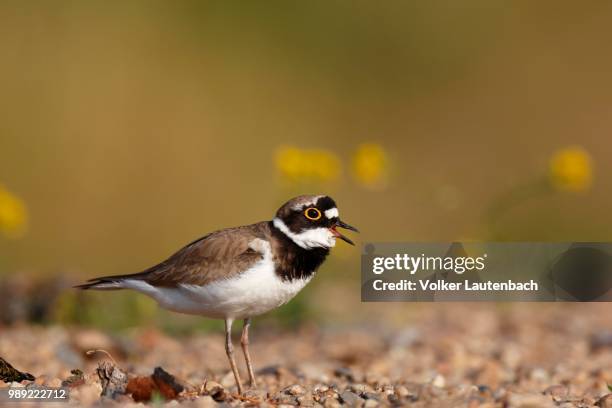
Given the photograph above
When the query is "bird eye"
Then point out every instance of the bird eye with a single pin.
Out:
(312, 213)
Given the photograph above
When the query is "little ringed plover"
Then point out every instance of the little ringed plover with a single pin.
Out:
(241, 272)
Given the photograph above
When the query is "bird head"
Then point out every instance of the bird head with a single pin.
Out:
(311, 221)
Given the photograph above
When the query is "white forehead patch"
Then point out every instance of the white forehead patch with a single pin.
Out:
(308, 239)
(332, 213)
(306, 203)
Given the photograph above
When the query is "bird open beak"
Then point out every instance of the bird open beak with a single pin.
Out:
(339, 235)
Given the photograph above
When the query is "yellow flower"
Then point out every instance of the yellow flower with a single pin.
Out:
(302, 165)
(13, 214)
(571, 169)
(370, 165)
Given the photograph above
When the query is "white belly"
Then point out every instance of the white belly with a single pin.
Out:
(254, 292)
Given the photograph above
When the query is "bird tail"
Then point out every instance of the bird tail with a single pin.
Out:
(115, 282)
(100, 285)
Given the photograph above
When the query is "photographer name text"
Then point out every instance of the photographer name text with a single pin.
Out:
(442, 285)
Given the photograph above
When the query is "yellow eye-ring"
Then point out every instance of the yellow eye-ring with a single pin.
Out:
(312, 213)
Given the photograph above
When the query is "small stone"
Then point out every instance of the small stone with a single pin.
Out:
(344, 372)
(305, 400)
(558, 392)
(371, 403)
(76, 379)
(601, 340)
(529, 401)
(501, 394)
(331, 403)
(205, 401)
(370, 396)
(402, 391)
(87, 394)
(358, 388)
(41, 380)
(228, 381)
(295, 389)
(431, 391)
(313, 371)
(255, 394)
(388, 389)
(85, 340)
(113, 379)
(352, 399)
(215, 390)
(588, 400)
(438, 381)
(539, 374)
(285, 399)
(320, 388)
(605, 401)
(372, 378)
(54, 383)
(393, 399)
(484, 391)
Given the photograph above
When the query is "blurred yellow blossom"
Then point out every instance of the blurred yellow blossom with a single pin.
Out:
(13, 214)
(370, 165)
(571, 169)
(307, 165)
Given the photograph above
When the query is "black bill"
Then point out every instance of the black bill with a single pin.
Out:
(344, 225)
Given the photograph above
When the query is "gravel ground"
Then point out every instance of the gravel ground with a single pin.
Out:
(451, 355)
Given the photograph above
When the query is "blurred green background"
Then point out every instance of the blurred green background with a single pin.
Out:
(129, 129)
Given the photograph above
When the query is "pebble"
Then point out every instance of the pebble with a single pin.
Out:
(320, 388)
(282, 398)
(373, 378)
(601, 340)
(331, 403)
(402, 391)
(605, 401)
(89, 339)
(256, 394)
(371, 403)
(215, 390)
(539, 374)
(438, 381)
(484, 390)
(358, 388)
(295, 389)
(228, 380)
(558, 392)
(388, 389)
(352, 399)
(305, 400)
(529, 401)
(393, 399)
(87, 394)
(370, 396)
(344, 372)
(40, 380)
(205, 401)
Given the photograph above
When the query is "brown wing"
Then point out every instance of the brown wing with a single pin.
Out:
(219, 255)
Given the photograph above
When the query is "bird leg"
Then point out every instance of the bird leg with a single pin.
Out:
(229, 350)
(244, 341)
